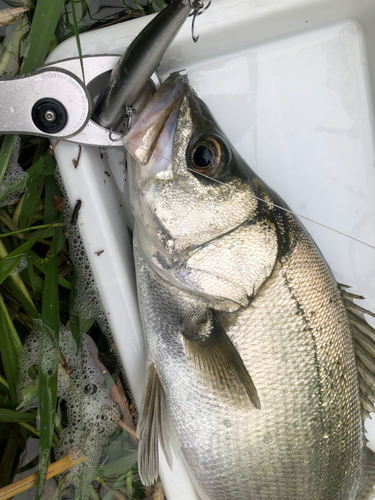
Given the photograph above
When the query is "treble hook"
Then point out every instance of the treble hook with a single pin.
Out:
(199, 8)
(129, 111)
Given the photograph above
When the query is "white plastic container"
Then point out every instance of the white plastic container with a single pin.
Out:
(291, 82)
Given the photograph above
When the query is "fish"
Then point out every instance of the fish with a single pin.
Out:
(260, 368)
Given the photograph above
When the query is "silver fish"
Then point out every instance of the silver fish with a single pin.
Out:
(252, 369)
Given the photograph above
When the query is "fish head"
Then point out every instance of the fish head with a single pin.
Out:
(187, 183)
(189, 190)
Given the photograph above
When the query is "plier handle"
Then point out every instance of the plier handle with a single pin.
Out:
(54, 101)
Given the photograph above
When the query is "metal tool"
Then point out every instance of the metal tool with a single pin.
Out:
(56, 101)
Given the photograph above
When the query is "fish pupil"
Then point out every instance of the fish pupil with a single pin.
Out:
(203, 156)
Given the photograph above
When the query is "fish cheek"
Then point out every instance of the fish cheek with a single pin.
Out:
(232, 269)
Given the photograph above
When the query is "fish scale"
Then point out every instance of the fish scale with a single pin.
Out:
(248, 337)
(288, 376)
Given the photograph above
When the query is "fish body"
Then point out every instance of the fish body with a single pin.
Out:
(250, 347)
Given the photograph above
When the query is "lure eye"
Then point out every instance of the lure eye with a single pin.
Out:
(208, 156)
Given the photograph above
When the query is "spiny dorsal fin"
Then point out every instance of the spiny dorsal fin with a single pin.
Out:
(364, 343)
(216, 361)
(367, 490)
(153, 428)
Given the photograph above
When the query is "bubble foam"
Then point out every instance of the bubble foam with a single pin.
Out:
(91, 412)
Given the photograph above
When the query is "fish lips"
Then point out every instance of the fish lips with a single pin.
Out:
(150, 138)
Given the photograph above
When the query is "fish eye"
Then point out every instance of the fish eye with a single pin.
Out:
(208, 155)
(203, 156)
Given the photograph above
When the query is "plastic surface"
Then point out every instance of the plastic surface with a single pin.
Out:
(291, 83)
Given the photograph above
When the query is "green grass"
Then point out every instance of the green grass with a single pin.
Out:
(41, 295)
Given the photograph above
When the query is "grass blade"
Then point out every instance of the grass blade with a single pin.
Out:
(31, 311)
(7, 460)
(15, 416)
(44, 165)
(47, 411)
(32, 228)
(8, 263)
(10, 327)
(115, 485)
(50, 303)
(7, 220)
(17, 280)
(32, 196)
(6, 153)
(156, 5)
(78, 41)
(46, 17)
(10, 347)
(17, 186)
(85, 324)
(120, 466)
(38, 172)
(48, 367)
(4, 386)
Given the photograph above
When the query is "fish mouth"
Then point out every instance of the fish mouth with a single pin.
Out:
(150, 138)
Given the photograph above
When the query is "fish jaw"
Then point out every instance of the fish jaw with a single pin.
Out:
(150, 150)
(150, 138)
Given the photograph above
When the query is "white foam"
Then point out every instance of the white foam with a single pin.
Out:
(91, 412)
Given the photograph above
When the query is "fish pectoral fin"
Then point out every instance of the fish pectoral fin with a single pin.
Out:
(367, 488)
(220, 368)
(364, 342)
(153, 428)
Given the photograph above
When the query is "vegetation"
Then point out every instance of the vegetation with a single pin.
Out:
(37, 284)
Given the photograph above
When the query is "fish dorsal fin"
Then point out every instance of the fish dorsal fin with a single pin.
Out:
(364, 342)
(217, 362)
(153, 428)
(367, 489)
